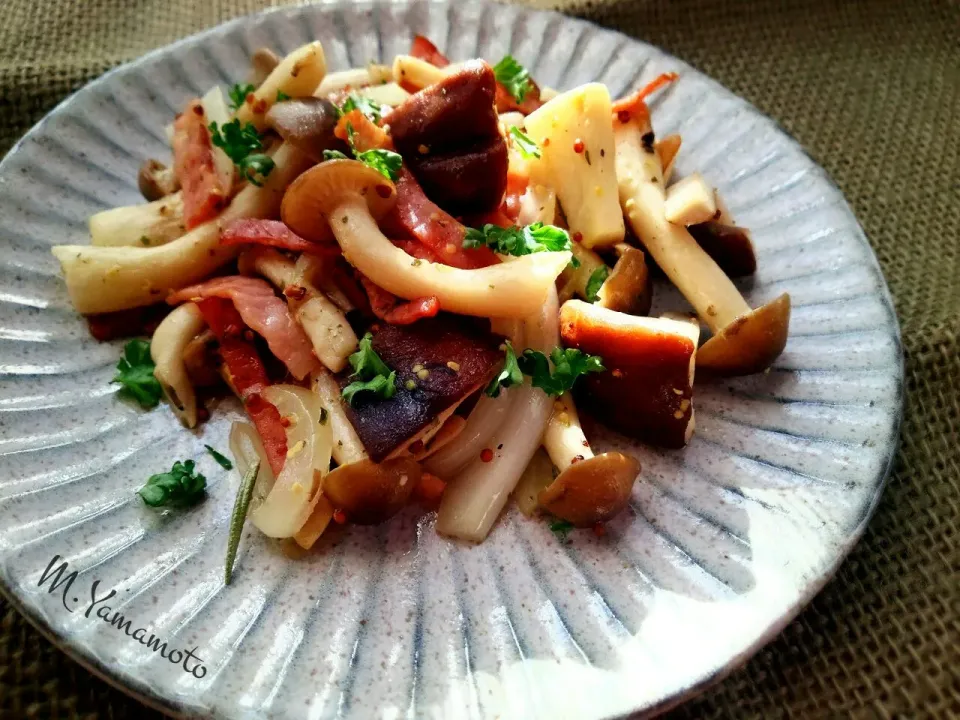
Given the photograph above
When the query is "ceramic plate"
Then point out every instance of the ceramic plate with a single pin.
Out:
(723, 542)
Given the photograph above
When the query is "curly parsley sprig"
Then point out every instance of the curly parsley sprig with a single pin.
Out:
(242, 144)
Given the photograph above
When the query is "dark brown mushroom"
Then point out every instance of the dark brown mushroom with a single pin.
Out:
(369, 492)
(307, 124)
(592, 490)
(628, 288)
(156, 180)
(730, 247)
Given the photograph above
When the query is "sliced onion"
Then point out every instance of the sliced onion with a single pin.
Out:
(215, 111)
(297, 489)
(347, 447)
(487, 415)
(475, 498)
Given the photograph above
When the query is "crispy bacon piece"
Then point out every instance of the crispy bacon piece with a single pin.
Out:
(389, 308)
(436, 229)
(248, 376)
(425, 50)
(366, 135)
(203, 195)
(249, 231)
(263, 312)
(507, 103)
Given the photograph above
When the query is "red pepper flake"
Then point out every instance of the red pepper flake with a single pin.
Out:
(576, 459)
(295, 292)
(586, 443)
(486, 455)
(578, 237)
(546, 142)
(248, 335)
(578, 146)
(285, 421)
(202, 414)
(616, 373)
(599, 529)
(260, 107)
(339, 517)
(623, 116)
(198, 109)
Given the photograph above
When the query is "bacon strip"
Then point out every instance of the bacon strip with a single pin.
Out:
(248, 377)
(387, 306)
(263, 312)
(436, 229)
(425, 50)
(249, 231)
(203, 195)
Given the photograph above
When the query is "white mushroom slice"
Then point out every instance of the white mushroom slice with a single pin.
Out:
(417, 73)
(373, 74)
(689, 201)
(744, 341)
(575, 135)
(347, 447)
(389, 94)
(169, 341)
(155, 223)
(105, 279)
(563, 439)
(297, 75)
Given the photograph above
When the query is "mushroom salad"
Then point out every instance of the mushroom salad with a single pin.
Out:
(412, 276)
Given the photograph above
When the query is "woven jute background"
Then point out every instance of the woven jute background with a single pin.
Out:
(872, 90)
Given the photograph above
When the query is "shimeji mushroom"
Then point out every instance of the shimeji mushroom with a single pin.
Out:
(744, 340)
(150, 225)
(690, 201)
(327, 327)
(575, 135)
(297, 75)
(167, 347)
(647, 389)
(346, 198)
(628, 288)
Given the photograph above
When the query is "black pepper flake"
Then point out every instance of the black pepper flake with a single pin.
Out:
(647, 140)
(603, 153)
(344, 219)
(586, 155)
(500, 446)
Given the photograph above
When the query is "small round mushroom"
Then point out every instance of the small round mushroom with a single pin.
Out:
(262, 63)
(702, 282)
(307, 124)
(729, 246)
(343, 199)
(370, 493)
(628, 288)
(592, 490)
(156, 180)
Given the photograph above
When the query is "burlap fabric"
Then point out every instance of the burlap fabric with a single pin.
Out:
(872, 89)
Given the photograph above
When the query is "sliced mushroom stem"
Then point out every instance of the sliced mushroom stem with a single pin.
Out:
(702, 282)
(169, 341)
(563, 439)
(297, 75)
(347, 447)
(592, 491)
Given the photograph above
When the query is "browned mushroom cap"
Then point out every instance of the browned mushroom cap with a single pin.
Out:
(314, 198)
(729, 246)
(628, 289)
(370, 493)
(750, 343)
(156, 180)
(593, 490)
(307, 124)
(262, 64)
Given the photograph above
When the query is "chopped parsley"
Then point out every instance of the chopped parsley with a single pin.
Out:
(135, 374)
(281, 96)
(238, 95)
(373, 374)
(385, 162)
(527, 147)
(568, 365)
(242, 144)
(181, 487)
(596, 280)
(365, 105)
(518, 241)
(509, 376)
(514, 77)
(222, 460)
(561, 528)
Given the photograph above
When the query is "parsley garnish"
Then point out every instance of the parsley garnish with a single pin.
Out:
(242, 144)
(561, 528)
(514, 77)
(385, 162)
(180, 487)
(365, 105)
(528, 148)
(518, 241)
(568, 365)
(281, 96)
(374, 375)
(509, 376)
(238, 95)
(135, 374)
(222, 460)
(596, 280)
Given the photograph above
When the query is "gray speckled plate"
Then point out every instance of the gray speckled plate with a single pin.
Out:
(723, 544)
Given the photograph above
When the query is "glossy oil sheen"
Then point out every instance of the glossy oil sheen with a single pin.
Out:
(721, 546)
